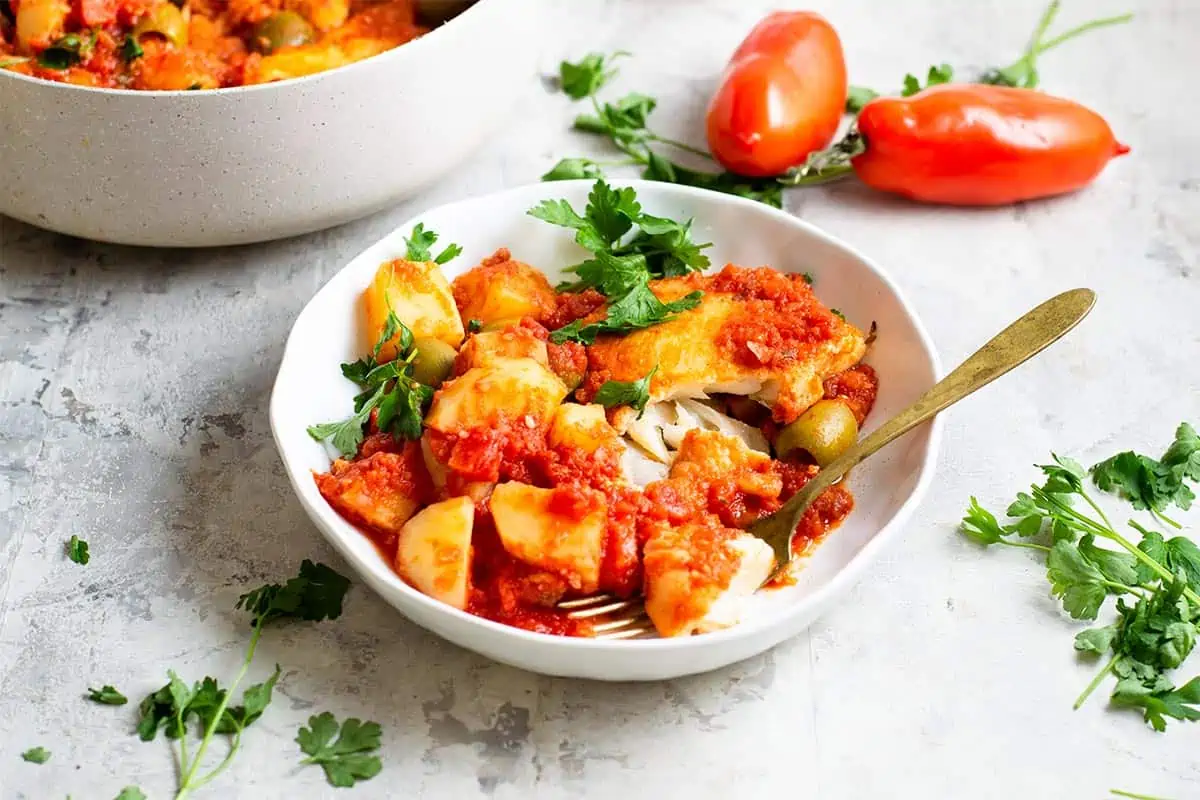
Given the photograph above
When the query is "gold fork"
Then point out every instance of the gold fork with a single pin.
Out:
(1031, 334)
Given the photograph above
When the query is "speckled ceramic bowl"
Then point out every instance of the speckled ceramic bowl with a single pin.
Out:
(255, 163)
(309, 388)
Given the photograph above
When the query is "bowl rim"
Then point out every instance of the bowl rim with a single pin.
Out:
(228, 91)
(326, 518)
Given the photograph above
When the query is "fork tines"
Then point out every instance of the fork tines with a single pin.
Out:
(623, 619)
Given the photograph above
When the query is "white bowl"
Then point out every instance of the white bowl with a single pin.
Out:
(309, 389)
(249, 164)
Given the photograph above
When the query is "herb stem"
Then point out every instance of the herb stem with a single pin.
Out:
(1141, 555)
(233, 748)
(1091, 687)
(1029, 545)
(186, 784)
(1043, 26)
(1161, 517)
(654, 137)
(1120, 793)
(826, 175)
(1079, 30)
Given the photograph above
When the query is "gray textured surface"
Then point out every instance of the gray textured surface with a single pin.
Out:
(133, 390)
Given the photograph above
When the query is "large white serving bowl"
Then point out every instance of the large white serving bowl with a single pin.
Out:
(249, 164)
(887, 488)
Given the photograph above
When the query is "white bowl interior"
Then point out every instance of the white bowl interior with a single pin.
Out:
(309, 389)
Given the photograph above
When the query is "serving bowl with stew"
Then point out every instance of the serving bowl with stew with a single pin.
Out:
(886, 489)
(342, 122)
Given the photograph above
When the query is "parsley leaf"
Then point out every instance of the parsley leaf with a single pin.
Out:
(568, 169)
(77, 550)
(346, 759)
(638, 308)
(626, 393)
(857, 97)
(1075, 580)
(36, 755)
(1154, 484)
(131, 50)
(980, 525)
(107, 695)
(474, 325)
(1182, 703)
(937, 74)
(315, 594)
(67, 51)
(347, 435)
(585, 77)
(420, 243)
(130, 793)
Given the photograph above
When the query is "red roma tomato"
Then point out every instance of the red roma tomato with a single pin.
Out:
(781, 97)
(973, 145)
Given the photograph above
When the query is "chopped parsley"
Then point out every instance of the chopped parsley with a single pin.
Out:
(107, 695)
(36, 755)
(77, 550)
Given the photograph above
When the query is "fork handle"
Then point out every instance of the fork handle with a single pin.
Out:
(1013, 346)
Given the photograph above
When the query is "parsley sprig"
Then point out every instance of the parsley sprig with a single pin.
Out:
(420, 246)
(314, 594)
(388, 387)
(625, 123)
(1156, 581)
(346, 754)
(629, 247)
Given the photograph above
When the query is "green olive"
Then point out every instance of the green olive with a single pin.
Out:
(164, 20)
(433, 361)
(500, 324)
(282, 29)
(826, 430)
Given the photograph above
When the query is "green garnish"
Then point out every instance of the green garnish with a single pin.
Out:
(131, 50)
(36, 755)
(1156, 581)
(67, 51)
(346, 755)
(315, 594)
(77, 550)
(585, 78)
(625, 123)
(107, 695)
(420, 243)
(130, 793)
(388, 387)
(474, 325)
(626, 393)
(624, 260)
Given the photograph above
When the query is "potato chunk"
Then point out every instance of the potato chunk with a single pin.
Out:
(434, 551)
(559, 530)
(698, 576)
(581, 427)
(516, 389)
(381, 491)
(502, 288)
(419, 295)
(485, 349)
